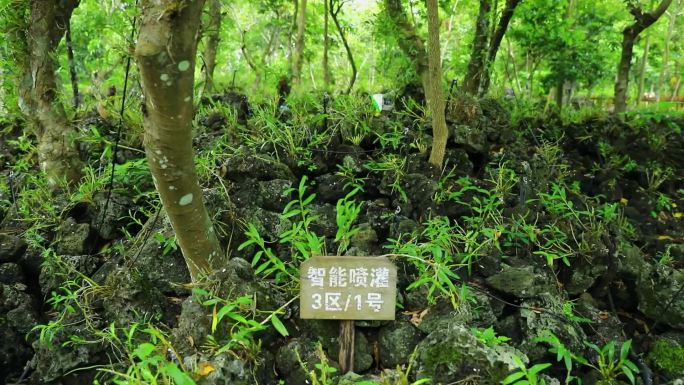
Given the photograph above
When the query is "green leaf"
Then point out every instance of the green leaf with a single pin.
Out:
(278, 325)
(143, 350)
(178, 376)
(624, 350)
(538, 368)
(513, 377)
(628, 373)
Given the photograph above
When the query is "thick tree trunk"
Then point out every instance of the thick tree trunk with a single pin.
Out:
(642, 21)
(213, 29)
(165, 53)
(298, 56)
(478, 55)
(495, 43)
(326, 47)
(642, 71)
(350, 57)
(57, 151)
(436, 92)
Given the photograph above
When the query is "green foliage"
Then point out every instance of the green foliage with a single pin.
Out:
(347, 212)
(609, 366)
(149, 356)
(668, 355)
(488, 336)
(525, 375)
(323, 373)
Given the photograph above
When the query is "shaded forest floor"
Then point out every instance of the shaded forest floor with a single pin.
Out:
(540, 237)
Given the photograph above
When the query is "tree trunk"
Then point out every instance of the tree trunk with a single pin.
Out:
(642, 21)
(436, 92)
(72, 64)
(299, 44)
(326, 47)
(642, 70)
(213, 29)
(165, 52)
(350, 57)
(495, 43)
(666, 54)
(478, 55)
(409, 41)
(57, 151)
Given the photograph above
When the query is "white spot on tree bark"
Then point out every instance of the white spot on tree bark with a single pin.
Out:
(164, 77)
(184, 65)
(185, 200)
(187, 98)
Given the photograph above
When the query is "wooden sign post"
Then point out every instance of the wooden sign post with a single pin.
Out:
(347, 289)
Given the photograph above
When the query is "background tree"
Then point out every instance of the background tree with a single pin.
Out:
(486, 43)
(335, 6)
(641, 22)
(165, 52)
(211, 30)
(298, 54)
(35, 41)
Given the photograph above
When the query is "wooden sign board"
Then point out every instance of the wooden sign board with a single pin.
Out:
(348, 288)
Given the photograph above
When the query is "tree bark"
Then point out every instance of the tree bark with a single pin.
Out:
(350, 57)
(72, 64)
(409, 41)
(57, 151)
(436, 92)
(299, 44)
(213, 29)
(495, 43)
(666, 53)
(326, 47)
(478, 54)
(642, 70)
(629, 35)
(165, 52)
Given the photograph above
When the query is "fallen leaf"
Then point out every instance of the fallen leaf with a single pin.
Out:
(205, 368)
(624, 201)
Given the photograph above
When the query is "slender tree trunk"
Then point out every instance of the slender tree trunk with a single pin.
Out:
(629, 35)
(436, 92)
(666, 54)
(495, 43)
(675, 89)
(213, 29)
(478, 55)
(299, 44)
(514, 65)
(450, 28)
(72, 64)
(57, 151)
(642, 70)
(326, 47)
(165, 52)
(350, 57)
(293, 32)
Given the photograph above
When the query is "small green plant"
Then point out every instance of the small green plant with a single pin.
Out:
(169, 243)
(150, 361)
(611, 367)
(562, 354)
(488, 336)
(323, 372)
(525, 375)
(347, 212)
